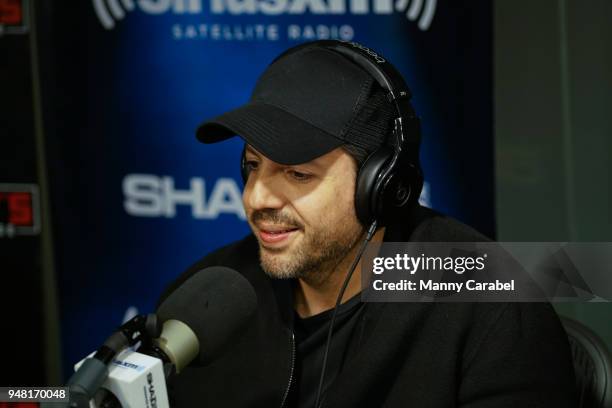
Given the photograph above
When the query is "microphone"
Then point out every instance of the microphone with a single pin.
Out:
(198, 320)
(205, 312)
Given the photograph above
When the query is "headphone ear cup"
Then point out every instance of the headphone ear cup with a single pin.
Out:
(367, 195)
(395, 195)
(400, 190)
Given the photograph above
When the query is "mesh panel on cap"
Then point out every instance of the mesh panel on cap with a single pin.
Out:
(372, 121)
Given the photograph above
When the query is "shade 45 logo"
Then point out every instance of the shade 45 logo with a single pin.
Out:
(420, 11)
(149, 195)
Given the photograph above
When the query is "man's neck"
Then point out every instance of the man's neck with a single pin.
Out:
(312, 298)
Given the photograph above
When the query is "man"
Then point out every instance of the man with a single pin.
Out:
(314, 118)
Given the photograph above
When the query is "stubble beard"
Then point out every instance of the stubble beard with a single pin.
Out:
(316, 257)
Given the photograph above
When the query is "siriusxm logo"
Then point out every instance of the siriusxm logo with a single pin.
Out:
(127, 364)
(421, 11)
(148, 195)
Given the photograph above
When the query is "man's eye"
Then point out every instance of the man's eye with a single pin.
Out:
(251, 165)
(299, 176)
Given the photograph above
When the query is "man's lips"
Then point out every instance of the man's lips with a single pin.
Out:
(275, 234)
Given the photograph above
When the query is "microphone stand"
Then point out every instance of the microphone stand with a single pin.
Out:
(89, 377)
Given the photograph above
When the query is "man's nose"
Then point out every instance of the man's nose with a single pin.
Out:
(263, 191)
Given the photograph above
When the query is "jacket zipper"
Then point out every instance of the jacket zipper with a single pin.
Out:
(286, 395)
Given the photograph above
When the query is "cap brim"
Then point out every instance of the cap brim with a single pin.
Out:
(277, 134)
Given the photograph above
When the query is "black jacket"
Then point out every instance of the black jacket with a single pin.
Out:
(402, 354)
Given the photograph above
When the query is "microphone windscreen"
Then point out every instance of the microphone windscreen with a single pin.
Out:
(216, 303)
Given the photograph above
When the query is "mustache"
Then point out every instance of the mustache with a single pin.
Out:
(275, 217)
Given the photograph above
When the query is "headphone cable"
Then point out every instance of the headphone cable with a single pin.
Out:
(370, 234)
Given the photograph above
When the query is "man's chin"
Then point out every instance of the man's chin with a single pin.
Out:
(277, 268)
(279, 262)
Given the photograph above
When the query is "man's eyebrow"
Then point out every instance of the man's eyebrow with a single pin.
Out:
(315, 164)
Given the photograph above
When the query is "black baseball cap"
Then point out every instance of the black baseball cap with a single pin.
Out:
(304, 105)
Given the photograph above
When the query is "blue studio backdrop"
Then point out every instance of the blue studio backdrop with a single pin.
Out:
(136, 199)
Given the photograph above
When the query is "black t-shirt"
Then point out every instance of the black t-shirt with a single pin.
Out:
(310, 337)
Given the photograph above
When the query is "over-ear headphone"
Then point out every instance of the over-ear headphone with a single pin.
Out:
(390, 180)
